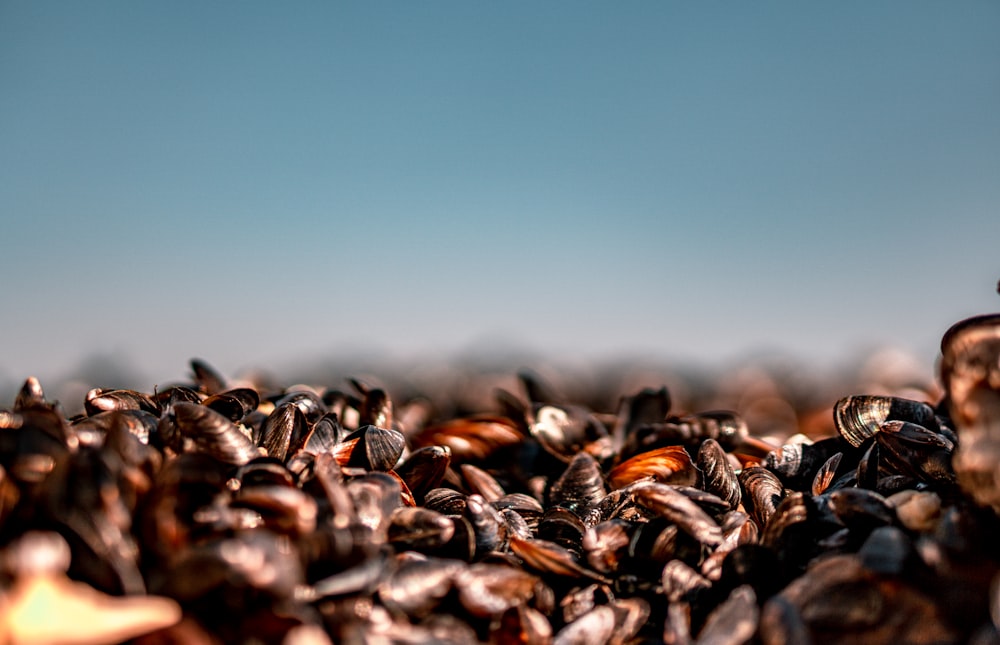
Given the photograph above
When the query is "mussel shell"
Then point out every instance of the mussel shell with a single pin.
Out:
(167, 397)
(796, 464)
(824, 476)
(656, 542)
(725, 426)
(717, 474)
(471, 439)
(529, 508)
(563, 527)
(376, 406)
(606, 544)
(679, 580)
(645, 407)
(762, 492)
(579, 600)
(207, 377)
(489, 527)
(549, 558)
(916, 510)
(733, 621)
(234, 404)
(860, 509)
(92, 430)
(264, 471)
(580, 486)
(419, 529)
(307, 401)
(889, 551)
(564, 431)
(516, 524)
(596, 626)
(417, 586)
(324, 435)
(523, 624)
(488, 590)
(789, 531)
(98, 400)
(631, 616)
(780, 622)
(371, 448)
(670, 464)
(859, 417)
(30, 395)
(970, 371)
(424, 469)
(276, 431)
(910, 449)
(285, 510)
(213, 434)
(329, 549)
(676, 507)
(83, 500)
(481, 483)
(376, 496)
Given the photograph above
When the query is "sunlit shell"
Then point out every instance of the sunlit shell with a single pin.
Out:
(670, 464)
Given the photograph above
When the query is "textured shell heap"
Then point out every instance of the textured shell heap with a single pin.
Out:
(317, 515)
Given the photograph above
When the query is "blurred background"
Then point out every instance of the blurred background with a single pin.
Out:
(308, 190)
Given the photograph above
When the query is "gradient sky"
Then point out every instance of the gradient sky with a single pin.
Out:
(261, 183)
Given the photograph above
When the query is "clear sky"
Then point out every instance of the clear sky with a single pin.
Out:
(260, 183)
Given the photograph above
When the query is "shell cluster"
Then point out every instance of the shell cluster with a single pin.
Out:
(215, 512)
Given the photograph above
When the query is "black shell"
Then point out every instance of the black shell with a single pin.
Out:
(213, 434)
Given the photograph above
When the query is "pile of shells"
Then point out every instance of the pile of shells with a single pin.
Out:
(214, 512)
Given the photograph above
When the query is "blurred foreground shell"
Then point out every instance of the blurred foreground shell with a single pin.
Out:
(970, 372)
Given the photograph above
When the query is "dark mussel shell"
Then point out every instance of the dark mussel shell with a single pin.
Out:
(306, 400)
(213, 434)
(666, 502)
(276, 433)
(424, 469)
(564, 431)
(324, 435)
(419, 529)
(371, 448)
(646, 407)
(488, 590)
(796, 464)
(606, 545)
(733, 621)
(581, 485)
(762, 492)
(482, 483)
(99, 400)
(234, 404)
(550, 558)
(717, 473)
(725, 426)
(376, 406)
(488, 525)
(912, 450)
(417, 586)
(209, 380)
(30, 395)
(858, 418)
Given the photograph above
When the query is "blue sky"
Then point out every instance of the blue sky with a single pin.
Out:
(260, 184)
